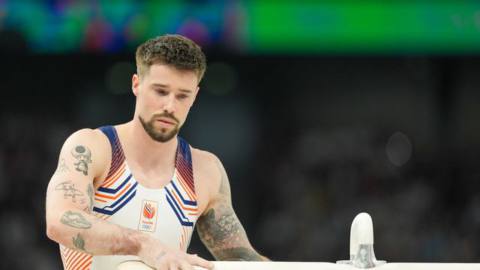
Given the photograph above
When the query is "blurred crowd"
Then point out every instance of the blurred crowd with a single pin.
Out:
(307, 143)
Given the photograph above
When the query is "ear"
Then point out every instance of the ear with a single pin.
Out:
(135, 84)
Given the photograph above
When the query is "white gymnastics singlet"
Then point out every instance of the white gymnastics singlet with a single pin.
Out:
(168, 213)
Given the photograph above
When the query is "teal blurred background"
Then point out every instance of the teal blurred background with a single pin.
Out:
(250, 27)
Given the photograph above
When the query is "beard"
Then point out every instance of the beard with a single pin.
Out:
(160, 134)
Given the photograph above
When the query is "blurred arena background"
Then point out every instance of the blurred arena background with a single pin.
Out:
(318, 109)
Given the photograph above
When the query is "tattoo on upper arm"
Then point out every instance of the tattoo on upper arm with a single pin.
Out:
(83, 155)
(79, 242)
(76, 220)
(69, 191)
(62, 167)
(90, 196)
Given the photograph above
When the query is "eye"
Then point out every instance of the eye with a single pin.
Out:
(161, 92)
(182, 96)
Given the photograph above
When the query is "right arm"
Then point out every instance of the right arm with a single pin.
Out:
(70, 197)
(85, 156)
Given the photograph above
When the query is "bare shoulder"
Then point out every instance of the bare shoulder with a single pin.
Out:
(205, 161)
(92, 135)
(90, 145)
(92, 138)
(208, 171)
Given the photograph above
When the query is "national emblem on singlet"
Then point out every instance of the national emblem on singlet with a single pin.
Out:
(168, 213)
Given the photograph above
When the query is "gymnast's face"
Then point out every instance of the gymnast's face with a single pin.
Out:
(164, 98)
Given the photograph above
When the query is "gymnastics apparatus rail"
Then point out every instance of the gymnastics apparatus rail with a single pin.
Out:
(362, 256)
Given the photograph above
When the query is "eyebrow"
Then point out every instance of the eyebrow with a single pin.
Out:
(167, 86)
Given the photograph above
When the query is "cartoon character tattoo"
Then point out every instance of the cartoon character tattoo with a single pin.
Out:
(83, 155)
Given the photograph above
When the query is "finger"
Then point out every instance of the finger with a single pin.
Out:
(184, 265)
(173, 266)
(197, 261)
(161, 266)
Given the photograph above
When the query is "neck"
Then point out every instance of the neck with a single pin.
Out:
(144, 150)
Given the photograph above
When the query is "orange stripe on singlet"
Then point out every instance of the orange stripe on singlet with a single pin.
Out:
(115, 176)
(101, 216)
(75, 260)
(80, 258)
(99, 200)
(115, 173)
(190, 193)
(191, 196)
(85, 262)
(64, 256)
(184, 207)
(87, 266)
(74, 257)
(184, 171)
(116, 196)
(71, 257)
(79, 261)
(71, 254)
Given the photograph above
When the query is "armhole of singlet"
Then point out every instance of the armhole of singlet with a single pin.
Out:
(117, 152)
(184, 159)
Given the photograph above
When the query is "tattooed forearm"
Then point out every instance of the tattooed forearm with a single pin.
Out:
(220, 227)
(69, 191)
(218, 232)
(83, 155)
(79, 242)
(221, 231)
(62, 167)
(76, 220)
(225, 237)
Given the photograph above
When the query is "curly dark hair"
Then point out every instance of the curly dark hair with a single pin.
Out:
(175, 50)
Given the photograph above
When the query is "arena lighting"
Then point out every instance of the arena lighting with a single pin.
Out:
(362, 256)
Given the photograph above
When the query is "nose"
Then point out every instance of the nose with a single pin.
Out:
(169, 105)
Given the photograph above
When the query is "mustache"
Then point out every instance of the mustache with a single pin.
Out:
(166, 115)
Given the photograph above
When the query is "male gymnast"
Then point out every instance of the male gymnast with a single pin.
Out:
(135, 191)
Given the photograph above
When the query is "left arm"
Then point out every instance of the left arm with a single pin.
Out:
(221, 231)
